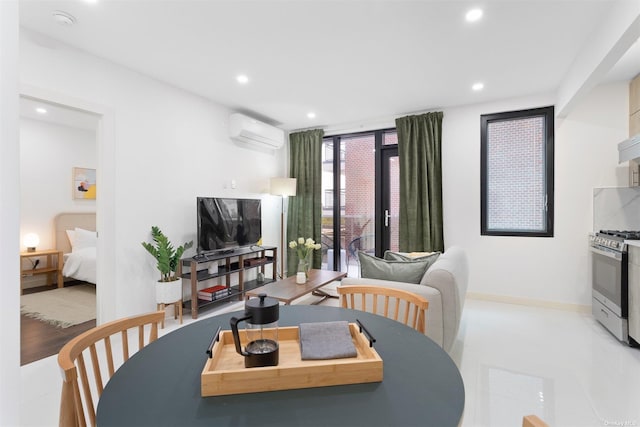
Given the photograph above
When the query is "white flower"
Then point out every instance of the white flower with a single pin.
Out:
(304, 247)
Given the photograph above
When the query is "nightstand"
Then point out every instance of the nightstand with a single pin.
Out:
(50, 268)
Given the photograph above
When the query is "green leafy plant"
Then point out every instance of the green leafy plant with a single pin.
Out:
(164, 253)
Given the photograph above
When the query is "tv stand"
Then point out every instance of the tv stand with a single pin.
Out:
(224, 251)
(236, 261)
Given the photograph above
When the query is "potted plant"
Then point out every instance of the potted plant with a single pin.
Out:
(169, 287)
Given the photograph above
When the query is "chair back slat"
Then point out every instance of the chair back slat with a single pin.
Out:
(109, 354)
(86, 387)
(140, 336)
(77, 407)
(95, 363)
(406, 307)
(76, 396)
(125, 345)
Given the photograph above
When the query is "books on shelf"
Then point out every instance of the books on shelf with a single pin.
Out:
(254, 261)
(213, 293)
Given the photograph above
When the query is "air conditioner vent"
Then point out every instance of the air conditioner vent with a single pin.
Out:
(251, 131)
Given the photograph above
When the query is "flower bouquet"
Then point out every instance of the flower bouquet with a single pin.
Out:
(304, 248)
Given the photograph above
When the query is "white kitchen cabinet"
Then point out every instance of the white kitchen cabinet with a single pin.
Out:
(634, 292)
(630, 149)
(634, 95)
(634, 124)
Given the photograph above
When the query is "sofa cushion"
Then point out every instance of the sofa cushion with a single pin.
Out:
(435, 326)
(413, 256)
(372, 267)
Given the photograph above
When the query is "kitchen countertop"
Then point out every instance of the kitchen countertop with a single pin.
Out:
(635, 243)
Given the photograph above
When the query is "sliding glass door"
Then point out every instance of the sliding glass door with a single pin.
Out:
(390, 200)
(358, 189)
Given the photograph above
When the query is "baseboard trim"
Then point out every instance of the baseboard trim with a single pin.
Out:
(577, 308)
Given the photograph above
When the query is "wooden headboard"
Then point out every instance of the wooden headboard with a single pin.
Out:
(69, 221)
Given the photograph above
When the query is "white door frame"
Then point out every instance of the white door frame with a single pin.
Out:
(105, 202)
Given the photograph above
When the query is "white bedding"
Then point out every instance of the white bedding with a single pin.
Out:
(81, 264)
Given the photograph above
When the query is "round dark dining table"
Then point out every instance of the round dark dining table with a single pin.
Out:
(160, 385)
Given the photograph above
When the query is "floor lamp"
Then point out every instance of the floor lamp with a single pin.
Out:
(282, 187)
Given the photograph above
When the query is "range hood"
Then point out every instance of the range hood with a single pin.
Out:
(629, 149)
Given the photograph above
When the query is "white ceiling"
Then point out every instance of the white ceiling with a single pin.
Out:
(347, 61)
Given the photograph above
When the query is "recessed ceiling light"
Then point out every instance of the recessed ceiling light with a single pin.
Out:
(473, 15)
(477, 86)
(63, 18)
(311, 115)
(41, 110)
(242, 79)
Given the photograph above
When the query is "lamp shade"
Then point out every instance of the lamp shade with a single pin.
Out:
(283, 186)
(31, 240)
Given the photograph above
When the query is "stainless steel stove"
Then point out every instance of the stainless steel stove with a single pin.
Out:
(610, 299)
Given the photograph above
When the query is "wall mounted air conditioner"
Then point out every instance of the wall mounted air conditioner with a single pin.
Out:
(251, 131)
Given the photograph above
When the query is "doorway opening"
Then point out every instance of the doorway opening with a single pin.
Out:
(360, 197)
(55, 141)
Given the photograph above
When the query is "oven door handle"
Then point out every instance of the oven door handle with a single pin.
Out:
(612, 255)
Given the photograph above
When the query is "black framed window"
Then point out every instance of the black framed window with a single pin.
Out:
(516, 181)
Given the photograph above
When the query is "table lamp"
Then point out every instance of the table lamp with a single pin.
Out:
(282, 187)
(31, 240)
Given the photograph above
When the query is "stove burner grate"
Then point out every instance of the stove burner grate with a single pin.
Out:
(625, 234)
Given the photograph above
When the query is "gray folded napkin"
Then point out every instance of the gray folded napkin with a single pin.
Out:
(326, 340)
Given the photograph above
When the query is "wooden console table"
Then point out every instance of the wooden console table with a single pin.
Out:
(49, 269)
(234, 261)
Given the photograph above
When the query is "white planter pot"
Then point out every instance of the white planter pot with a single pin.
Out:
(168, 292)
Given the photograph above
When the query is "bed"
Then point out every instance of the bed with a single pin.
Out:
(75, 236)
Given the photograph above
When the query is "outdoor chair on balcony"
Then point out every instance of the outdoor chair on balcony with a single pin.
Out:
(363, 243)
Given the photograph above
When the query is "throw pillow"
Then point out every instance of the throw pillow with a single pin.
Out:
(372, 267)
(397, 256)
(84, 239)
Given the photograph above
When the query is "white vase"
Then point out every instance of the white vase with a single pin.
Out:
(168, 292)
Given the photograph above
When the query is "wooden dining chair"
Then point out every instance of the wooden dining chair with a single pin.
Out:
(397, 304)
(533, 421)
(98, 344)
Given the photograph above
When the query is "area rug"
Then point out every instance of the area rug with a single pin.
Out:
(62, 307)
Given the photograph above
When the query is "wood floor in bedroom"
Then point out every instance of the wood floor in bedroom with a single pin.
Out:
(39, 339)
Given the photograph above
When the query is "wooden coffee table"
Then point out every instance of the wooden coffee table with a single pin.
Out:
(286, 290)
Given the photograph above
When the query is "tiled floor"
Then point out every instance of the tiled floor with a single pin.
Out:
(514, 360)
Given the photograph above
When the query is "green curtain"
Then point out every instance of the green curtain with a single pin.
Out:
(305, 208)
(419, 149)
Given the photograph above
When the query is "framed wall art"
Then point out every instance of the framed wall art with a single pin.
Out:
(84, 183)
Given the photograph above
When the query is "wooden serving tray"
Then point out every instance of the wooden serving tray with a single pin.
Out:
(224, 373)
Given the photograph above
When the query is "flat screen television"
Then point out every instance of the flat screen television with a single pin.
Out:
(225, 223)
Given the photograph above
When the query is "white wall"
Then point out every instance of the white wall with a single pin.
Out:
(48, 152)
(169, 147)
(550, 269)
(10, 387)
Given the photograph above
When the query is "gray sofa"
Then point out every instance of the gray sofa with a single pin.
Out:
(444, 284)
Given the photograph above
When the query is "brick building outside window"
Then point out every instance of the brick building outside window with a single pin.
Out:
(517, 173)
